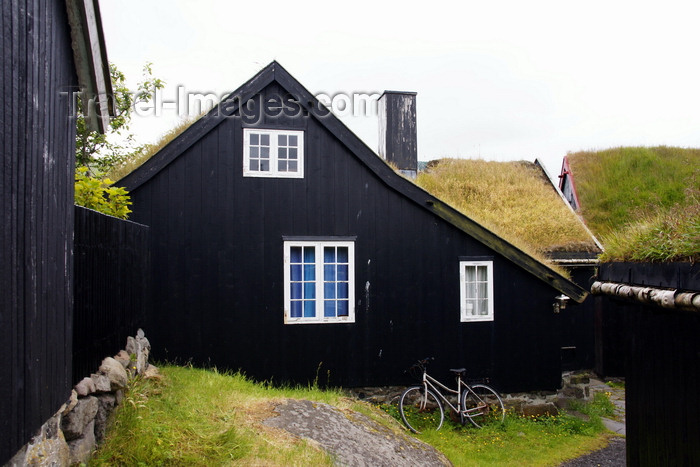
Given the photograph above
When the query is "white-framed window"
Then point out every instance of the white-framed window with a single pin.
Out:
(476, 290)
(273, 153)
(319, 282)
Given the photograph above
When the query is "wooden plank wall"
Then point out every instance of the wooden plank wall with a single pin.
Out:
(661, 354)
(111, 293)
(36, 196)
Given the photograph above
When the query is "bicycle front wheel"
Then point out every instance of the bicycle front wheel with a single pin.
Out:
(421, 409)
(482, 405)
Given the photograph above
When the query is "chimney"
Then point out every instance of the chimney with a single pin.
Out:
(397, 131)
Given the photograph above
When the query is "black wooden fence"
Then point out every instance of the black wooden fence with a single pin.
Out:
(662, 367)
(112, 278)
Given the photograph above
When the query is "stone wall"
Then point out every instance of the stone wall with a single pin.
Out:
(575, 385)
(73, 433)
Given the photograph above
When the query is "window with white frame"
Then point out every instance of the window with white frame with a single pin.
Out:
(319, 282)
(476, 290)
(273, 153)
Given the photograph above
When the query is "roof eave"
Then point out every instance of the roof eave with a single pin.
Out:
(91, 64)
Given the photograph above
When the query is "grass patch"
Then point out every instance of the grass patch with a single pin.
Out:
(513, 199)
(534, 441)
(668, 235)
(202, 418)
(205, 417)
(642, 202)
(149, 150)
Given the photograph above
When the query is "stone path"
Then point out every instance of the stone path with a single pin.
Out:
(352, 438)
(615, 454)
(617, 396)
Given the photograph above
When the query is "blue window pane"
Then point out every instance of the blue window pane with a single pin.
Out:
(292, 140)
(295, 253)
(293, 153)
(282, 140)
(282, 153)
(265, 153)
(309, 256)
(329, 254)
(293, 166)
(342, 272)
(329, 308)
(264, 166)
(309, 290)
(254, 165)
(342, 254)
(342, 308)
(342, 290)
(296, 272)
(265, 139)
(309, 272)
(329, 290)
(296, 310)
(254, 139)
(254, 152)
(309, 309)
(282, 166)
(329, 273)
(295, 290)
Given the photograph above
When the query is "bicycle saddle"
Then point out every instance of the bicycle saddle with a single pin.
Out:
(458, 371)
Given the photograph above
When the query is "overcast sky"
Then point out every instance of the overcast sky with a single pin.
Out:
(500, 80)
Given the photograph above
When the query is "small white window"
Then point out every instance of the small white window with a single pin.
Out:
(319, 282)
(476, 290)
(273, 153)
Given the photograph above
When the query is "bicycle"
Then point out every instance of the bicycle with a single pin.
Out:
(421, 407)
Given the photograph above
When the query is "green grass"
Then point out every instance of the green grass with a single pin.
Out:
(643, 203)
(523, 441)
(204, 417)
(513, 199)
(149, 150)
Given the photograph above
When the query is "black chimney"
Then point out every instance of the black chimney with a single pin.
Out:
(397, 131)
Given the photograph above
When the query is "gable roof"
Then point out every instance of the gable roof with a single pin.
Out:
(275, 73)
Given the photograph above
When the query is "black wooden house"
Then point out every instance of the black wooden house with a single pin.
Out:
(50, 49)
(285, 247)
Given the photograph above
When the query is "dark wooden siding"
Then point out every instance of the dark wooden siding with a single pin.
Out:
(218, 273)
(112, 278)
(662, 359)
(660, 351)
(36, 194)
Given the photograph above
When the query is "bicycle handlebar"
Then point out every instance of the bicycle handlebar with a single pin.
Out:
(420, 364)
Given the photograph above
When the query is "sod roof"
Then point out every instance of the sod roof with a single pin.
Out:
(514, 199)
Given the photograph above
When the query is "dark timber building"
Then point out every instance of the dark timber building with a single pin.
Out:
(282, 245)
(49, 48)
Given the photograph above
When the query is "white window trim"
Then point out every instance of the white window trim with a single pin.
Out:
(273, 172)
(319, 318)
(464, 316)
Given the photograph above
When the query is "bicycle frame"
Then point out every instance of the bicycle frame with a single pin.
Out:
(430, 383)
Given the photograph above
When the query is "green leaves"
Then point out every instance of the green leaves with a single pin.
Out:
(100, 195)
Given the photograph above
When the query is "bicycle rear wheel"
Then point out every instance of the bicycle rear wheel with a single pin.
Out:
(482, 405)
(421, 409)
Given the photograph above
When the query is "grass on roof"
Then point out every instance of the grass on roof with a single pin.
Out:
(513, 199)
(149, 150)
(643, 203)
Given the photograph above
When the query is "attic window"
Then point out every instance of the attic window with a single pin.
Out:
(476, 290)
(273, 153)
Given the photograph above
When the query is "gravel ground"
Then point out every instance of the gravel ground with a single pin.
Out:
(613, 455)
